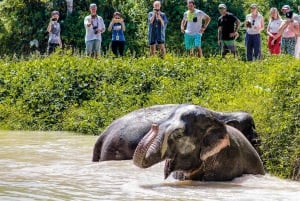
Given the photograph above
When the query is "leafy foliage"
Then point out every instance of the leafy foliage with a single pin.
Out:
(79, 94)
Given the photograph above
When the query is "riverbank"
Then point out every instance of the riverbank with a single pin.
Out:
(70, 93)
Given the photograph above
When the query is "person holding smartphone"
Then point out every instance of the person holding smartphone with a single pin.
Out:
(54, 32)
(157, 24)
(117, 27)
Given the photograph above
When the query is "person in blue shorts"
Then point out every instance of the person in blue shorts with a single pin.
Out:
(192, 20)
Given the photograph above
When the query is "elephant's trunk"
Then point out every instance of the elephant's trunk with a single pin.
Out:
(147, 152)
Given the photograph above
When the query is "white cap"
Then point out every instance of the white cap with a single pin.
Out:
(222, 5)
(287, 7)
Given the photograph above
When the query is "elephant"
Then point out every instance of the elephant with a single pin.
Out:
(120, 139)
(198, 146)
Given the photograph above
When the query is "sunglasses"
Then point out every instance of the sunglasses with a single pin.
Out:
(253, 22)
(117, 18)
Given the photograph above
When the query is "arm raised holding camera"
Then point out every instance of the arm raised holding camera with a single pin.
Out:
(156, 14)
(116, 20)
(51, 22)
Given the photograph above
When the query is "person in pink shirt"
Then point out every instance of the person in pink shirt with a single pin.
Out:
(288, 36)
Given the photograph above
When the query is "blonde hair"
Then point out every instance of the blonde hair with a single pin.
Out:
(277, 16)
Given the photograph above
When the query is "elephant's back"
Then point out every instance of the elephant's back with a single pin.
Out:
(133, 126)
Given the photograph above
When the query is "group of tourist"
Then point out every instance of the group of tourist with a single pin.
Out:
(282, 34)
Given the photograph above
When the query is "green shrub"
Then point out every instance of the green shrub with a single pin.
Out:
(84, 95)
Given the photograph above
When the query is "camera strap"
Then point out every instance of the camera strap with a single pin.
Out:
(95, 19)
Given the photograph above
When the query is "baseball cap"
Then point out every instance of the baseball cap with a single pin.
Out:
(92, 5)
(254, 5)
(286, 7)
(55, 12)
(222, 5)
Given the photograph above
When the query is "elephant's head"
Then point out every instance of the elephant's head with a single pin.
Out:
(187, 138)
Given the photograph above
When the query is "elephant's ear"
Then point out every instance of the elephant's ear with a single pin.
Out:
(214, 140)
(234, 123)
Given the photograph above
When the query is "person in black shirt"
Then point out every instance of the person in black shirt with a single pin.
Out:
(228, 27)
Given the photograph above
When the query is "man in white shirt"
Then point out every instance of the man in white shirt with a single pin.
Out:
(192, 19)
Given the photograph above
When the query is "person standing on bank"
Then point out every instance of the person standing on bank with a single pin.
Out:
(192, 19)
(94, 27)
(117, 26)
(255, 24)
(288, 35)
(274, 25)
(157, 24)
(290, 27)
(228, 27)
(54, 32)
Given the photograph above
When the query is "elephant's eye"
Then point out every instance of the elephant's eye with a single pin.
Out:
(178, 134)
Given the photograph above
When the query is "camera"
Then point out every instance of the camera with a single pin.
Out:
(95, 29)
(248, 24)
(54, 19)
(289, 14)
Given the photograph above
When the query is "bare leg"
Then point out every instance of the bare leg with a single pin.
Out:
(191, 52)
(152, 50)
(162, 50)
(199, 49)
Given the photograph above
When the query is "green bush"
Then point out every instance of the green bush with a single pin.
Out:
(84, 95)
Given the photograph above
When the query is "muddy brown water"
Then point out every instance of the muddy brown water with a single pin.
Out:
(57, 166)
